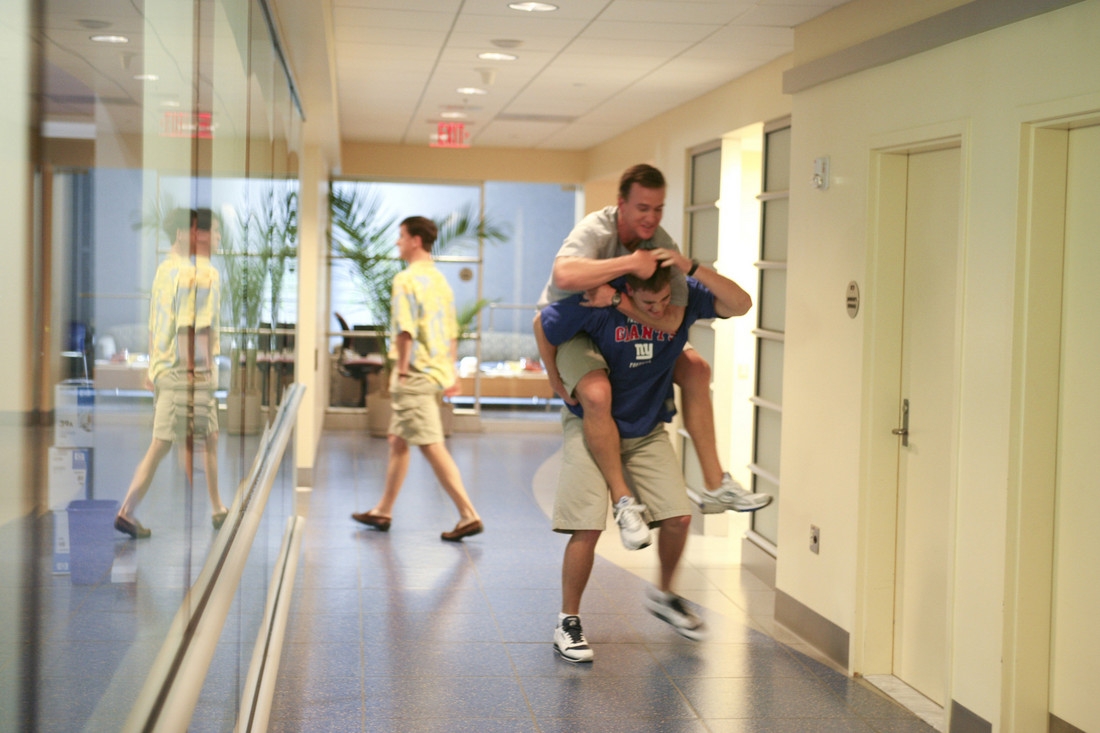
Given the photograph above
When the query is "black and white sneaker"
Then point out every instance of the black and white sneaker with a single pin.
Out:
(675, 611)
(569, 641)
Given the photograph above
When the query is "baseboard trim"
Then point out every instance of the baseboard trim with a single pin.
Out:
(819, 631)
(1057, 725)
(757, 561)
(965, 721)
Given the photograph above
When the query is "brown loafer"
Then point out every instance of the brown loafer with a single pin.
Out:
(131, 527)
(382, 524)
(463, 530)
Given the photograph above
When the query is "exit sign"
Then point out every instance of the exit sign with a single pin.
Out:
(450, 135)
(186, 124)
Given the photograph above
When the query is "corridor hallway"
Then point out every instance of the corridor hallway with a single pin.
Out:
(399, 631)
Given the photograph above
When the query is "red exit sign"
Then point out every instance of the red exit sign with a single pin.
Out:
(186, 124)
(450, 135)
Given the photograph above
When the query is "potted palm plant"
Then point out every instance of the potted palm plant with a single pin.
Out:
(364, 234)
(258, 249)
(246, 270)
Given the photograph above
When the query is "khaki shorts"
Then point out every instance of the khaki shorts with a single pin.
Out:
(579, 356)
(175, 406)
(576, 357)
(415, 402)
(652, 472)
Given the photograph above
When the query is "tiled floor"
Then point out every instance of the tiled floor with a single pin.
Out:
(399, 631)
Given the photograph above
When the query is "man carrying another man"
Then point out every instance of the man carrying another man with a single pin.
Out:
(607, 244)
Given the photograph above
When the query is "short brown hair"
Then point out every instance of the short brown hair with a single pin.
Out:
(644, 175)
(423, 227)
(661, 277)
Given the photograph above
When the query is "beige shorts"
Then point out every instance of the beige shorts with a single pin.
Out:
(415, 402)
(579, 356)
(576, 357)
(652, 472)
(179, 410)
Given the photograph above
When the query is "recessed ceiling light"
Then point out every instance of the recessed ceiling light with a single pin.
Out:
(532, 7)
(470, 90)
(107, 38)
(453, 115)
(146, 77)
(497, 56)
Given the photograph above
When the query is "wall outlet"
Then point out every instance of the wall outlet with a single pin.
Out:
(815, 540)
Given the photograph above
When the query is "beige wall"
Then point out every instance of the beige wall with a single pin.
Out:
(311, 345)
(16, 393)
(980, 90)
(411, 162)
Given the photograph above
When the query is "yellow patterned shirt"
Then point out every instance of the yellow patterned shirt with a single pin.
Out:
(186, 295)
(424, 306)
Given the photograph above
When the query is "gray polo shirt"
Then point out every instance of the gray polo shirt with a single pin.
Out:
(596, 237)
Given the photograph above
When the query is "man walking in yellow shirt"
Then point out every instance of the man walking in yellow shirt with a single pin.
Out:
(423, 352)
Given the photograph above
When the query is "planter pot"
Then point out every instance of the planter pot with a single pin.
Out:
(244, 413)
(379, 411)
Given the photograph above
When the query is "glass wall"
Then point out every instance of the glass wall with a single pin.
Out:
(136, 114)
(499, 277)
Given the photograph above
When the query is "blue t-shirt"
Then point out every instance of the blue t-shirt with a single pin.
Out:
(640, 358)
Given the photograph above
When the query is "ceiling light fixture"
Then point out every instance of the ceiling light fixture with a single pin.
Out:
(453, 115)
(146, 77)
(471, 90)
(497, 56)
(107, 38)
(533, 7)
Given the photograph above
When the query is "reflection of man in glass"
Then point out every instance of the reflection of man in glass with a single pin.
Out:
(184, 328)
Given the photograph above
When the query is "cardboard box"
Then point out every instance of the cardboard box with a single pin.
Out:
(61, 542)
(74, 404)
(70, 469)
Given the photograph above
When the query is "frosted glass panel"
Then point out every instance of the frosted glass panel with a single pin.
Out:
(775, 230)
(704, 235)
(701, 337)
(768, 428)
(706, 177)
(773, 299)
(777, 172)
(769, 373)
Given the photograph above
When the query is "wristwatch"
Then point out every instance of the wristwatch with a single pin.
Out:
(694, 267)
(616, 299)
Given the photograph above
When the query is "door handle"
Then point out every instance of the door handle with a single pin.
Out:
(903, 431)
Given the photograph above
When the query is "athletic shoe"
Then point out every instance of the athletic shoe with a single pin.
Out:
(569, 641)
(730, 495)
(632, 527)
(674, 610)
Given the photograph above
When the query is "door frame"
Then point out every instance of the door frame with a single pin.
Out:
(872, 643)
(1033, 425)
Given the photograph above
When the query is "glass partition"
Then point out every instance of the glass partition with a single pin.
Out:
(499, 279)
(145, 116)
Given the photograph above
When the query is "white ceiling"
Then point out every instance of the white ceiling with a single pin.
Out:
(585, 72)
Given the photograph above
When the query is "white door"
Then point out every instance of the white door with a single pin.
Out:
(928, 388)
(1075, 634)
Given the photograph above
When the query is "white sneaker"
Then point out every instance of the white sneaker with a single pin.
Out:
(569, 641)
(730, 495)
(674, 610)
(633, 529)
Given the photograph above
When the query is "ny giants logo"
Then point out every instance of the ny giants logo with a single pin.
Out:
(644, 336)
